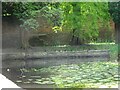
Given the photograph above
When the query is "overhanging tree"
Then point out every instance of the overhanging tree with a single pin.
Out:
(84, 19)
(28, 12)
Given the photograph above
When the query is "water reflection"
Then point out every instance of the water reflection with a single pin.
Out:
(29, 79)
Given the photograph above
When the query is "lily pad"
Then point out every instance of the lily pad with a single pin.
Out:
(37, 82)
(18, 81)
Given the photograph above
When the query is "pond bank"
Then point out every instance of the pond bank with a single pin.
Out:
(33, 58)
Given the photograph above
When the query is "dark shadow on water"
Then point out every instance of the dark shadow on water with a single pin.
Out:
(27, 79)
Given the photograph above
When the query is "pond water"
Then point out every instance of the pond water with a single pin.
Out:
(29, 79)
(89, 74)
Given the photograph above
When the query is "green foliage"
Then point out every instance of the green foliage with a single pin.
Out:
(27, 12)
(24, 11)
(30, 24)
(53, 14)
(20, 9)
(49, 11)
(114, 9)
(85, 17)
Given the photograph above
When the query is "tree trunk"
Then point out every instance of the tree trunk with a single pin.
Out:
(117, 38)
(73, 37)
(117, 33)
(25, 39)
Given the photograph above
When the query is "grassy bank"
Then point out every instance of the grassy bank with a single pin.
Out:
(113, 48)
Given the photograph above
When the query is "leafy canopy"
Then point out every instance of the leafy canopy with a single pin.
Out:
(114, 9)
(27, 12)
(85, 17)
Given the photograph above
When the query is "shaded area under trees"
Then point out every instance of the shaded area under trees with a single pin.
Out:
(114, 9)
(82, 19)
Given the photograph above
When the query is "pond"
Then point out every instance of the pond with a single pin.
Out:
(84, 75)
(27, 78)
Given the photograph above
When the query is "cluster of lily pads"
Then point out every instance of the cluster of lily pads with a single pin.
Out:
(91, 74)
